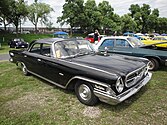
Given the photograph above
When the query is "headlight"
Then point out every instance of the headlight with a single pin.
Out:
(12, 54)
(119, 85)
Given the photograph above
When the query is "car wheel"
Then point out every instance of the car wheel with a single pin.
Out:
(153, 65)
(84, 93)
(24, 69)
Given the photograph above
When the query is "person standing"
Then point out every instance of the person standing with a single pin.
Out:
(96, 36)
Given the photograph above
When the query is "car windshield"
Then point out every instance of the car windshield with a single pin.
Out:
(72, 48)
(135, 42)
(17, 39)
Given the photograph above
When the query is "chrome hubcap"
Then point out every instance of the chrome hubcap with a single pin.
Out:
(151, 65)
(24, 69)
(84, 92)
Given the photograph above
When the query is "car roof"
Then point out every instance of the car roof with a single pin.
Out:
(111, 37)
(116, 37)
(48, 40)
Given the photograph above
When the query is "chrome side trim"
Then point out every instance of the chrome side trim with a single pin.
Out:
(47, 80)
(122, 51)
(76, 77)
(88, 80)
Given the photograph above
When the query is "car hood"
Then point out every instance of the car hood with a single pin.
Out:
(117, 64)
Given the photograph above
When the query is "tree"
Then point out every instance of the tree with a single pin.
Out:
(6, 12)
(134, 8)
(19, 12)
(152, 21)
(162, 25)
(144, 18)
(49, 25)
(145, 12)
(117, 23)
(107, 15)
(93, 16)
(38, 12)
(12, 11)
(73, 14)
(137, 18)
(128, 24)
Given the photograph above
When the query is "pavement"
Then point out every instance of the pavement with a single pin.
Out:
(4, 57)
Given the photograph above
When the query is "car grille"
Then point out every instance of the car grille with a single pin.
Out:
(135, 76)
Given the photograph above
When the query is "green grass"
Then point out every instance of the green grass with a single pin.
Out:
(28, 100)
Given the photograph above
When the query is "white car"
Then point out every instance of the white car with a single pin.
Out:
(25, 32)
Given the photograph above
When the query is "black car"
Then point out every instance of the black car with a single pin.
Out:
(73, 64)
(17, 43)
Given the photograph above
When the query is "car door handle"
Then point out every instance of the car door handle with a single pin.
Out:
(39, 60)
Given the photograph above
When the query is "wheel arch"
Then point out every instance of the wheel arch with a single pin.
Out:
(154, 57)
(71, 83)
(18, 63)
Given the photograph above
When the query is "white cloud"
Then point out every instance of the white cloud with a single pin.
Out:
(120, 7)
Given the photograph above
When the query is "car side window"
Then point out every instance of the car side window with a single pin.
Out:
(43, 49)
(46, 50)
(108, 43)
(122, 43)
(36, 48)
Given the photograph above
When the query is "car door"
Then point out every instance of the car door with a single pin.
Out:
(51, 68)
(122, 46)
(49, 65)
(33, 59)
(109, 43)
(39, 61)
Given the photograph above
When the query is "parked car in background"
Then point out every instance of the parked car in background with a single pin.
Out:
(128, 34)
(73, 64)
(160, 38)
(131, 46)
(14, 32)
(61, 34)
(156, 39)
(18, 43)
(25, 32)
(90, 37)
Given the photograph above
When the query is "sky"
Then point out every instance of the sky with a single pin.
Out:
(120, 7)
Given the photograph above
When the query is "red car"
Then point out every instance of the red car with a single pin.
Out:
(90, 37)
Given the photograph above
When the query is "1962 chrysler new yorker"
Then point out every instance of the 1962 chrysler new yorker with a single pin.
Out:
(73, 64)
